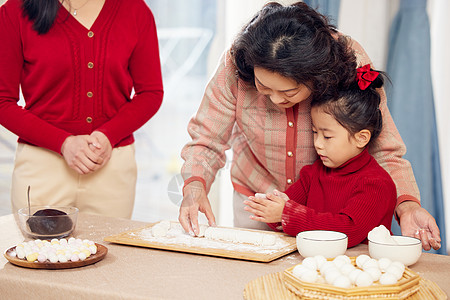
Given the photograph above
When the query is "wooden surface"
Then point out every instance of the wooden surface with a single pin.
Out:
(256, 253)
(141, 273)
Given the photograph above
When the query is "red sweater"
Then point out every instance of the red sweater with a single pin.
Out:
(352, 199)
(76, 80)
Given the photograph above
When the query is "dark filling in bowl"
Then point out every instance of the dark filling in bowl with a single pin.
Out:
(49, 222)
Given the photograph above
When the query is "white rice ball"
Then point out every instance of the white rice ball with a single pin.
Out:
(364, 279)
(326, 265)
(342, 282)
(347, 268)
(320, 260)
(394, 270)
(361, 259)
(298, 271)
(331, 275)
(384, 263)
(353, 275)
(344, 258)
(371, 263)
(310, 262)
(309, 276)
(374, 272)
(400, 265)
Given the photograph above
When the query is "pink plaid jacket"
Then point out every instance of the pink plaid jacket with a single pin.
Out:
(269, 144)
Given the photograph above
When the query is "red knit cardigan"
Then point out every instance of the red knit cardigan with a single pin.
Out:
(76, 80)
(352, 199)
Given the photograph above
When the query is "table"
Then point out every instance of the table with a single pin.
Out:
(129, 272)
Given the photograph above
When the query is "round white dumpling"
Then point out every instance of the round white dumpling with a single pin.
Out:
(361, 259)
(320, 260)
(371, 263)
(310, 262)
(159, 230)
(384, 263)
(342, 282)
(374, 272)
(298, 271)
(339, 263)
(309, 276)
(387, 278)
(354, 274)
(363, 279)
(331, 275)
(344, 258)
(327, 265)
(394, 270)
(400, 265)
(202, 229)
(347, 268)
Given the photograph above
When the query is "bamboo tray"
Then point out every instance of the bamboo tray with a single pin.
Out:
(405, 287)
(203, 246)
(272, 286)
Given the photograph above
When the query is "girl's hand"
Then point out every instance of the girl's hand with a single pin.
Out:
(269, 209)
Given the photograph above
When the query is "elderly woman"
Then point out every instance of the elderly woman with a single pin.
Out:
(258, 103)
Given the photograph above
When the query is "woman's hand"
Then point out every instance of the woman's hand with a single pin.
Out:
(415, 221)
(194, 200)
(78, 153)
(102, 147)
(269, 209)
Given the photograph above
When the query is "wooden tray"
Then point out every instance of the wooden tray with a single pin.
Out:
(272, 286)
(101, 253)
(225, 249)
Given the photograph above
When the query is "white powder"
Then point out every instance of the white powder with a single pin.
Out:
(177, 237)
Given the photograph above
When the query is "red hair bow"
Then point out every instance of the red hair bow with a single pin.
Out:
(365, 76)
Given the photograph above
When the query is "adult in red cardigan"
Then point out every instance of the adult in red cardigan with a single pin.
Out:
(345, 190)
(76, 63)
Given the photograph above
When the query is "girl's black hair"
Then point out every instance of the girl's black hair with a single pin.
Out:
(296, 42)
(357, 109)
(42, 13)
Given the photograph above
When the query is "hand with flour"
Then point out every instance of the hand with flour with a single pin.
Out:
(195, 200)
(266, 208)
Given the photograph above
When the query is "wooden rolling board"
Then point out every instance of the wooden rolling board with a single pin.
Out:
(285, 244)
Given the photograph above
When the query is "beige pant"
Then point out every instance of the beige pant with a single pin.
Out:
(109, 191)
(242, 217)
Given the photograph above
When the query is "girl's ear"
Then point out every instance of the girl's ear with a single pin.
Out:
(362, 138)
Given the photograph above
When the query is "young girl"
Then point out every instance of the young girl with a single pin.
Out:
(345, 190)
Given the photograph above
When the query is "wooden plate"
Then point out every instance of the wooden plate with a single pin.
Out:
(101, 253)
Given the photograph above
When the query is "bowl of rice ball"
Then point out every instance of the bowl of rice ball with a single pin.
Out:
(404, 249)
(329, 244)
(47, 222)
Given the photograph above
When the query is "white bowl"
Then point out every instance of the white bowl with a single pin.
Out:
(321, 242)
(407, 251)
